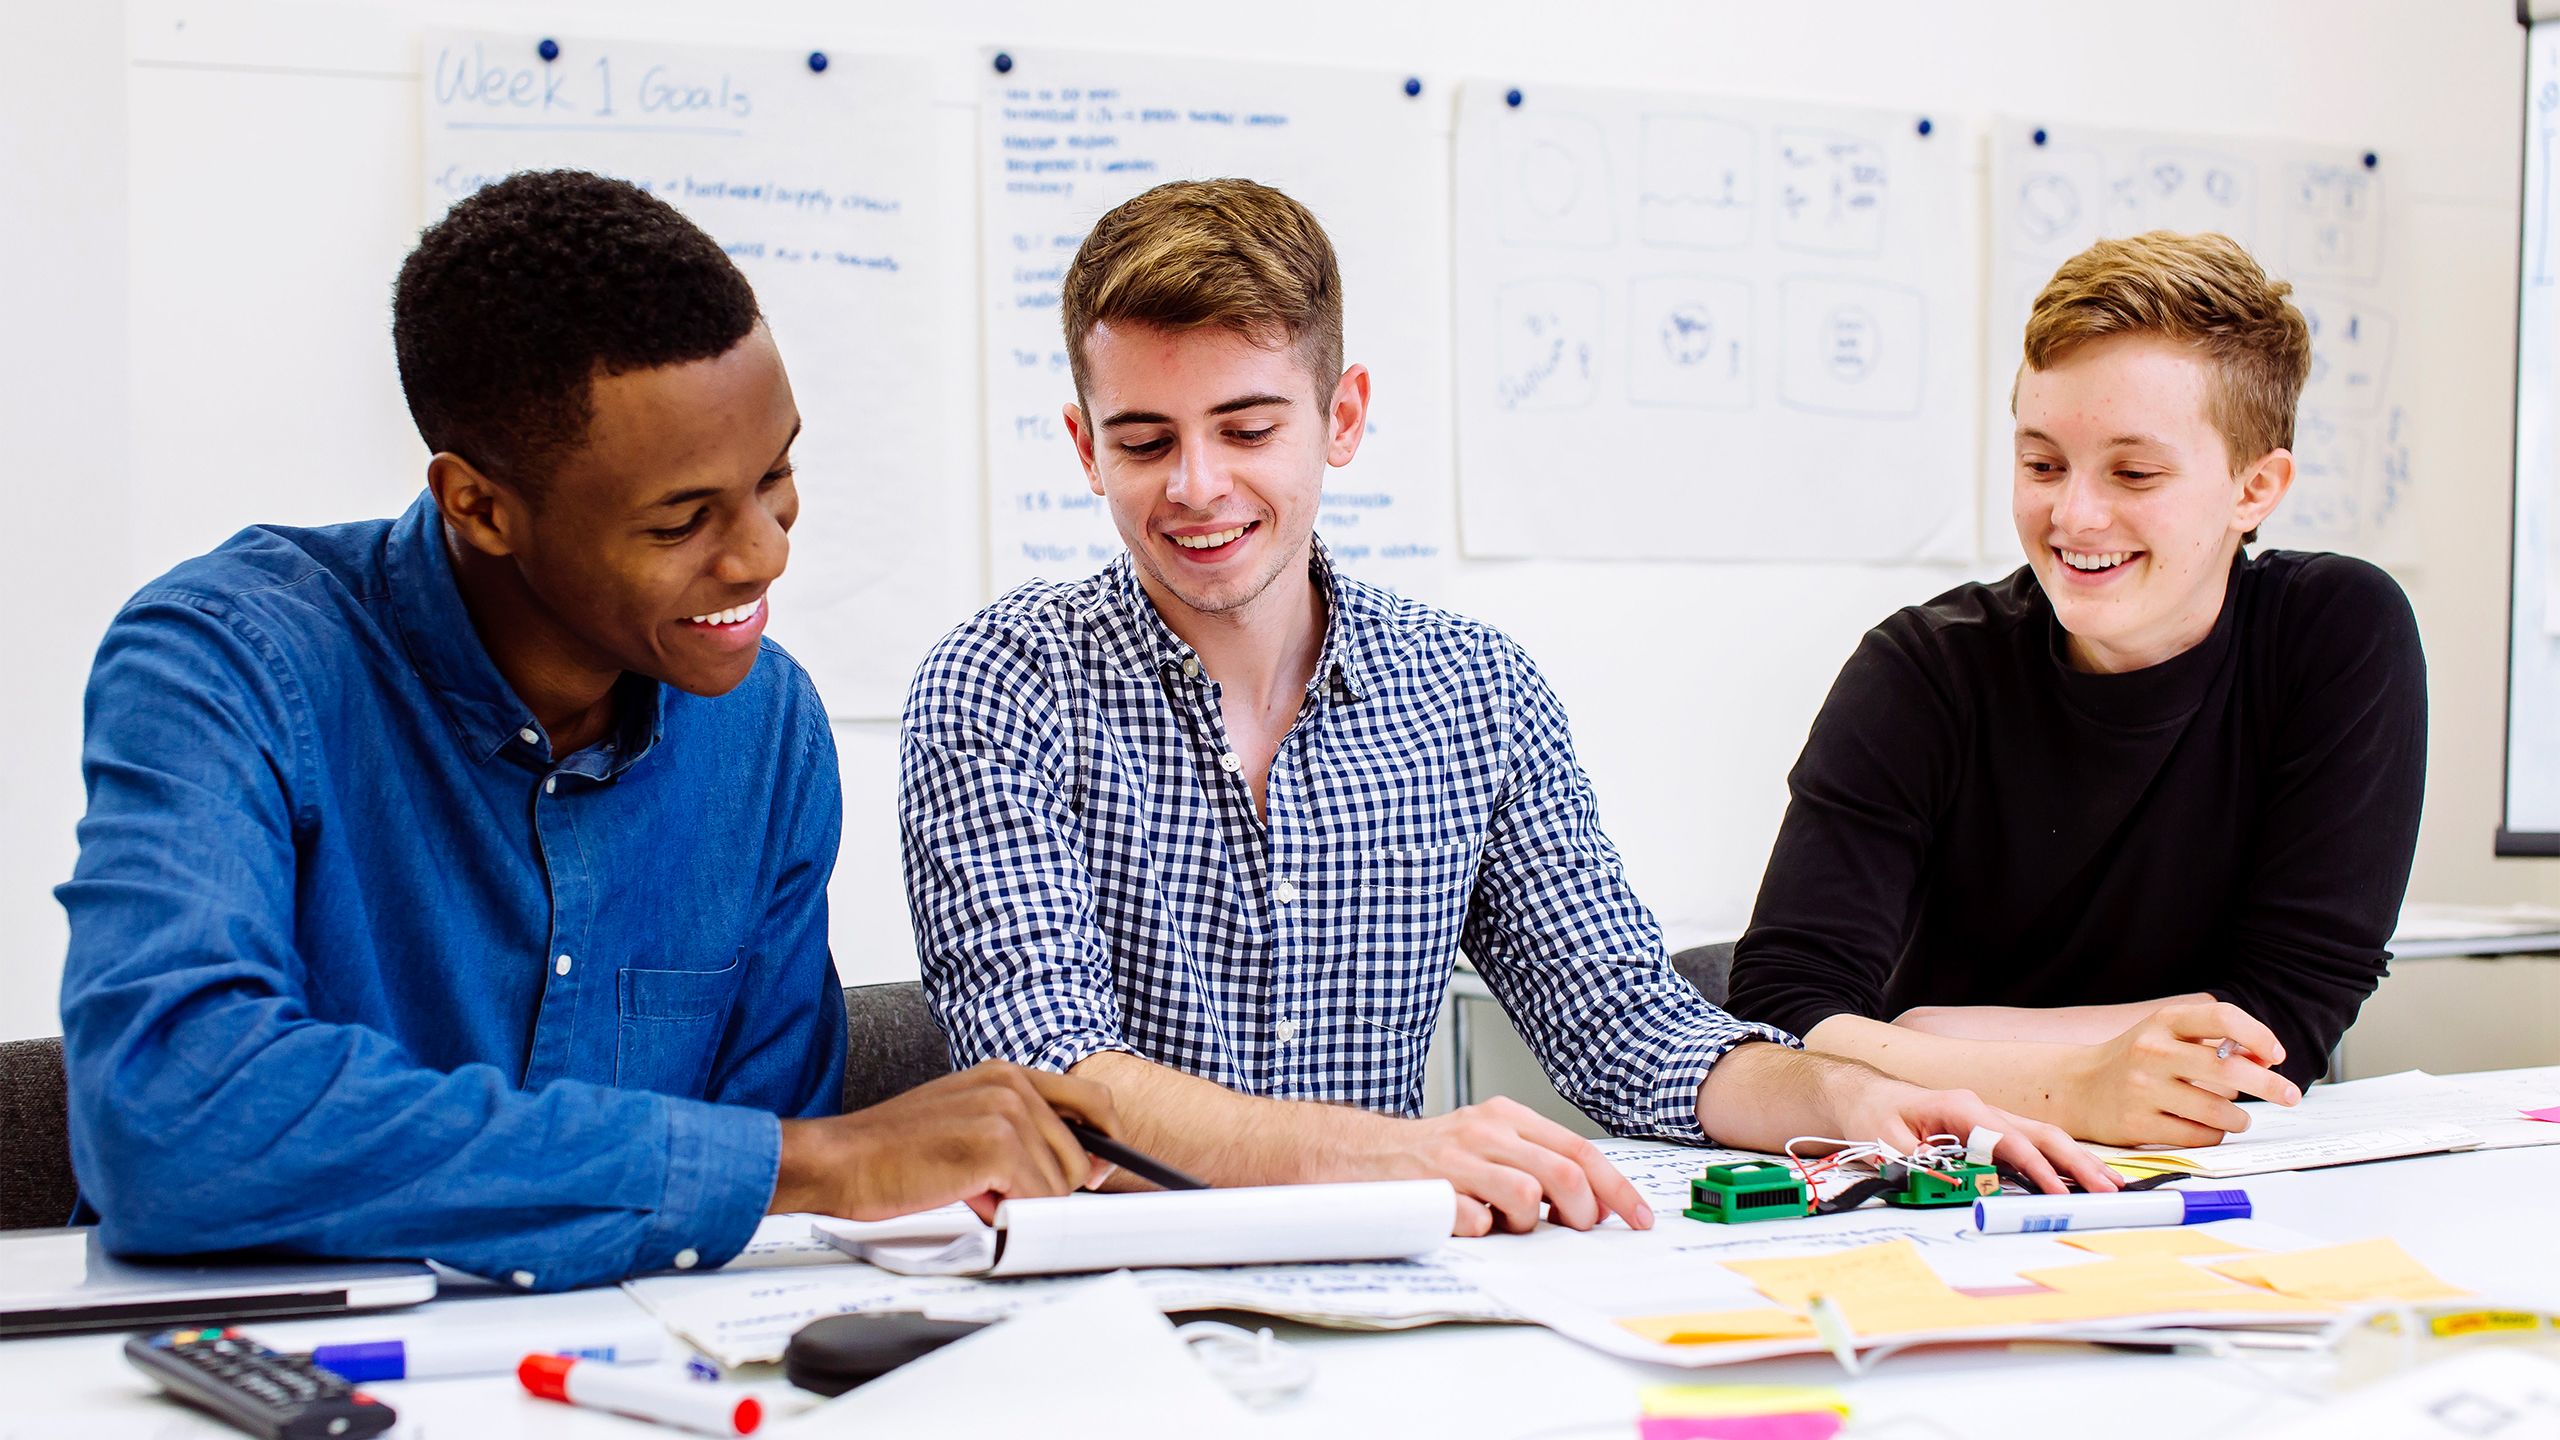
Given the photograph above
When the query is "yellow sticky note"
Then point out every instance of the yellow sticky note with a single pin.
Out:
(2163, 1276)
(1708, 1402)
(1891, 1270)
(2368, 1270)
(2158, 1240)
(1720, 1326)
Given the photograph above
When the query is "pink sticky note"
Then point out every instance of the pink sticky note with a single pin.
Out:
(1803, 1425)
(2547, 1112)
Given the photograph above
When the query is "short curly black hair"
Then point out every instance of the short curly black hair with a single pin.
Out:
(528, 289)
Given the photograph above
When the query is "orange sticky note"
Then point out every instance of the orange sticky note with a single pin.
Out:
(2368, 1270)
(2156, 1240)
(1719, 1326)
(2160, 1276)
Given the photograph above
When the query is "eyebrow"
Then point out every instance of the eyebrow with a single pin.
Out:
(704, 492)
(2114, 442)
(1224, 407)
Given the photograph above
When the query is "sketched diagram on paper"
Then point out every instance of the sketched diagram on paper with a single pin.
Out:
(1689, 341)
(1851, 347)
(2060, 200)
(1695, 187)
(1831, 191)
(2351, 344)
(2333, 221)
(1548, 335)
(1553, 181)
(2187, 189)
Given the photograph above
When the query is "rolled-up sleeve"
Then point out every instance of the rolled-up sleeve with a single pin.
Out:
(1013, 955)
(1572, 954)
(210, 1110)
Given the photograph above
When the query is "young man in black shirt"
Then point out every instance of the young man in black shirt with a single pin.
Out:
(2060, 838)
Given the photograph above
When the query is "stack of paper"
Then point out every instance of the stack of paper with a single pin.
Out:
(2411, 1113)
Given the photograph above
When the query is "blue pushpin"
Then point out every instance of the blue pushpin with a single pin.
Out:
(549, 50)
(1412, 85)
(1924, 127)
(1512, 99)
(817, 62)
(1004, 63)
(2371, 160)
(2038, 137)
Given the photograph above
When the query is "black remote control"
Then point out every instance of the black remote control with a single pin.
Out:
(272, 1396)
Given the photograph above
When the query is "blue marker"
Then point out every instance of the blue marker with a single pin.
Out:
(431, 1357)
(2032, 1214)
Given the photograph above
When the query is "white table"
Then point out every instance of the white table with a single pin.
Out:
(2488, 1220)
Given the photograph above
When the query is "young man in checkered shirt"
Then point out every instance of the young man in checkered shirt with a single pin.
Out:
(1210, 827)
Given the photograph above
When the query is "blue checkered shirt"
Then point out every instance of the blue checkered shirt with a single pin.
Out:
(1087, 871)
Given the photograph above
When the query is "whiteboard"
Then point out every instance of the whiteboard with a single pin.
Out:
(2318, 217)
(1702, 328)
(2531, 823)
(809, 176)
(1066, 135)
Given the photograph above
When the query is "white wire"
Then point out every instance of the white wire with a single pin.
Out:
(1260, 1370)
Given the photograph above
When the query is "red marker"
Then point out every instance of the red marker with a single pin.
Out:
(642, 1394)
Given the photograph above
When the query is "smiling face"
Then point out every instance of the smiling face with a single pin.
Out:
(650, 546)
(2126, 499)
(1210, 450)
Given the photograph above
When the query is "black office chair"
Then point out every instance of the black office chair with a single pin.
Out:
(1709, 968)
(36, 1185)
(892, 1044)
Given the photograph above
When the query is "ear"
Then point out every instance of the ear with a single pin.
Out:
(1082, 435)
(487, 516)
(2260, 490)
(1350, 416)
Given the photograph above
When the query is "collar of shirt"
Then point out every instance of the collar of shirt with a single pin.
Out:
(487, 716)
(1358, 627)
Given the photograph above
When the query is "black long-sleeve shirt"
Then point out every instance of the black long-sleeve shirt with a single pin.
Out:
(1974, 822)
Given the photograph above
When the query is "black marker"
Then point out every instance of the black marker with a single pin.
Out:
(1145, 1167)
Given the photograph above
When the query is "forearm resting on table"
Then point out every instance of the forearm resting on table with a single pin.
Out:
(2031, 1077)
(2054, 1025)
(1226, 1138)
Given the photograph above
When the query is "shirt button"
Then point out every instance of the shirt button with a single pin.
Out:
(551, 785)
(1191, 668)
(1287, 1030)
(687, 1258)
(1230, 763)
(523, 1279)
(529, 735)
(560, 966)
(1284, 892)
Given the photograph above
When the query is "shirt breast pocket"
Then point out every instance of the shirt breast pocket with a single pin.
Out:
(1412, 911)
(672, 1021)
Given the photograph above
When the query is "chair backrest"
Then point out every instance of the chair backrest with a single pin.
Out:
(892, 1043)
(36, 1185)
(1708, 967)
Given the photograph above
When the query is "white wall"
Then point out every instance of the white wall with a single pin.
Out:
(1690, 685)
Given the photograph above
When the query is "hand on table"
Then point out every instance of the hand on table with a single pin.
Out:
(1504, 1159)
(2163, 1082)
(1867, 1104)
(982, 1135)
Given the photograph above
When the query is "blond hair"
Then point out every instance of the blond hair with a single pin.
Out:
(2200, 290)
(1228, 253)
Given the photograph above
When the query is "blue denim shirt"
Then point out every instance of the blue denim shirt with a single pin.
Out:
(360, 967)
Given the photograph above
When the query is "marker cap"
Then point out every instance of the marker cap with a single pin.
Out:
(2206, 1206)
(546, 1375)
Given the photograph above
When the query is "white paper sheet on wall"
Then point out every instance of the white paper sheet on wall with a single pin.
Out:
(1066, 135)
(2312, 215)
(819, 185)
(1693, 327)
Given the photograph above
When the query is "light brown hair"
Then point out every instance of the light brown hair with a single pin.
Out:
(1228, 253)
(2200, 290)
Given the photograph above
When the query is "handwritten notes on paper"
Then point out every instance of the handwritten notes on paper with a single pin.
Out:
(2318, 218)
(1068, 135)
(1740, 323)
(816, 185)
